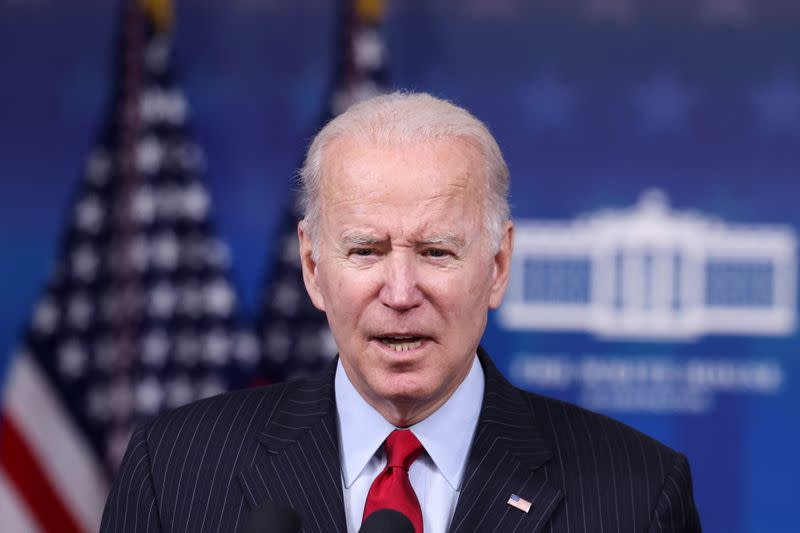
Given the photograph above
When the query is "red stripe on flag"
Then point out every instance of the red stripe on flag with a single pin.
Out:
(31, 482)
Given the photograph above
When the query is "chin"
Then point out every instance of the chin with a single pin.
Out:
(401, 391)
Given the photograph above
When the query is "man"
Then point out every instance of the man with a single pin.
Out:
(406, 243)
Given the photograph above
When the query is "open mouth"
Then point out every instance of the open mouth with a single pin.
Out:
(401, 344)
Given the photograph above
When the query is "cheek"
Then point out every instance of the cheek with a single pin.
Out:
(347, 294)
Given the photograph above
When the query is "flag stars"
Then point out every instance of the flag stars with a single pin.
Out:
(97, 404)
(179, 391)
(219, 256)
(106, 354)
(277, 342)
(308, 344)
(143, 205)
(89, 214)
(368, 49)
(219, 298)
(327, 343)
(664, 104)
(85, 262)
(190, 158)
(187, 348)
(155, 348)
(162, 301)
(157, 52)
(246, 349)
(139, 253)
(290, 250)
(286, 297)
(190, 299)
(98, 168)
(169, 202)
(137, 317)
(45, 316)
(195, 202)
(165, 251)
(216, 347)
(149, 396)
(149, 155)
(80, 310)
(158, 105)
(72, 358)
(111, 305)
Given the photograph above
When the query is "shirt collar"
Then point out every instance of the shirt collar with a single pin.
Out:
(446, 434)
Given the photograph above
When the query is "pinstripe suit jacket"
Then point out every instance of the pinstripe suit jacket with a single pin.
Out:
(205, 466)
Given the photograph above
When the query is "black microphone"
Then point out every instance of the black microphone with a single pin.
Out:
(273, 518)
(387, 521)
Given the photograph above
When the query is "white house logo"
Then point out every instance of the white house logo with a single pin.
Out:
(651, 272)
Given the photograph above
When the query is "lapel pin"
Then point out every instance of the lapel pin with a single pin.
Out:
(520, 503)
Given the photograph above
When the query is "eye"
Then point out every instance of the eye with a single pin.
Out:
(363, 252)
(436, 252)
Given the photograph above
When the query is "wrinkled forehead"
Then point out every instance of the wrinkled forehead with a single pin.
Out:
(358, 163)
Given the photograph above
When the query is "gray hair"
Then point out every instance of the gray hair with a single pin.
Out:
(408, 118)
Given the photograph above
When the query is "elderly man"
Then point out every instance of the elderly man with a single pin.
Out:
(405, 245)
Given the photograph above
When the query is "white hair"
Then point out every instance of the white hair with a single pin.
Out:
(404, 117)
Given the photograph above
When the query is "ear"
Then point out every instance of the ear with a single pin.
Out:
(309, 266)
(502, 266)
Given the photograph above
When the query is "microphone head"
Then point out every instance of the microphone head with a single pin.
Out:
(387, 521)
(273, 518)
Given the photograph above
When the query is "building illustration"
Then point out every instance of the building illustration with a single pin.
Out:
(652, 272)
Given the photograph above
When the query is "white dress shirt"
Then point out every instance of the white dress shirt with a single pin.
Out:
(436, 475)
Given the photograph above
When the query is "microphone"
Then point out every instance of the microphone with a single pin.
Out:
(387, 521)
(273, 518)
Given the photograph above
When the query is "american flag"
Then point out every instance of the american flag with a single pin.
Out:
(139, 315)
(295, 335)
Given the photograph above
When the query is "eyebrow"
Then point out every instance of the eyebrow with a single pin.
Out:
(365, 239)
(449, 239)
(360, 239)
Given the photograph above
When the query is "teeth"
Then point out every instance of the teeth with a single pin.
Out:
(400, 345)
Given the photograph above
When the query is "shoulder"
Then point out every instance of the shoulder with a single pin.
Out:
(604, 463)
(219, 423)
(581, 433)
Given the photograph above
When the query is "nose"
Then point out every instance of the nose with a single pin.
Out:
(400, 290)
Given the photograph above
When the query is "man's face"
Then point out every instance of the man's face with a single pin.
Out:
(404, 270)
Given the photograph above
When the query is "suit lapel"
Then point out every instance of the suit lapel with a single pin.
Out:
(507, 457)
(299, 462)
(299, 457)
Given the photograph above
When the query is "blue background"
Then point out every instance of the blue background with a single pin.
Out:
(591, 105)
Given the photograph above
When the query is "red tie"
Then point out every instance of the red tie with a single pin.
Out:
(392, 488)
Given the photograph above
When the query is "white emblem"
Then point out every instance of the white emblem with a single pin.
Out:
(650, 272)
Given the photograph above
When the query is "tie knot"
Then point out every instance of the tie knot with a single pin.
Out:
(402, 448)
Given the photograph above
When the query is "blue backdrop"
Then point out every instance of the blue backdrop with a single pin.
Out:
(632, 128)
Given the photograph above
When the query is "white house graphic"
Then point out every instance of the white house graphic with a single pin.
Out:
(651, 272)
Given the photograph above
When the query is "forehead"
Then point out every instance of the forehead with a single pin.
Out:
(356, 169)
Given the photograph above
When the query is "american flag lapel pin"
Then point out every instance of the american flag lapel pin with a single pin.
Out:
(520, 503)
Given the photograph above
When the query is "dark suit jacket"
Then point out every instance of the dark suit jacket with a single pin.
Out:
(206, 466)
